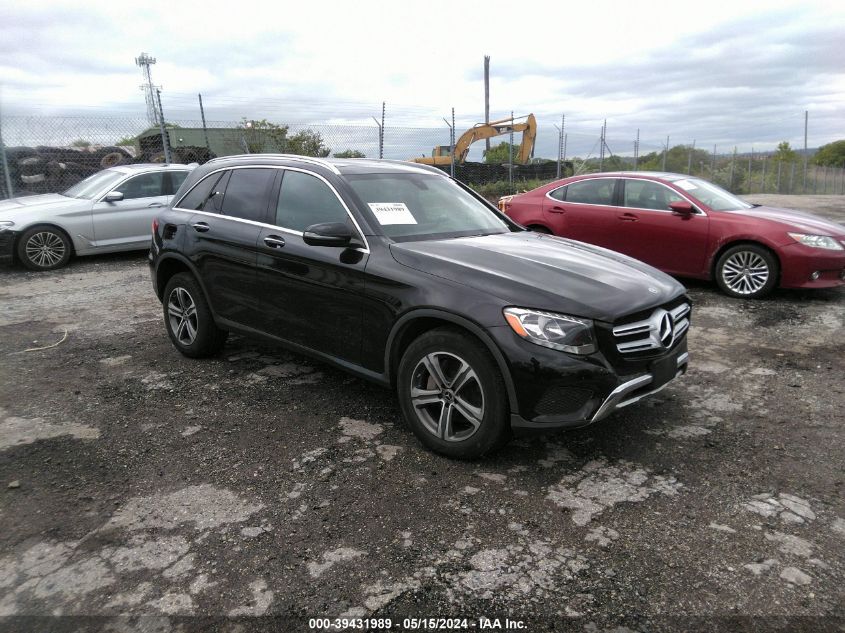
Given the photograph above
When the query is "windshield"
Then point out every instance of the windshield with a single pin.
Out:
(89, 188)
(424, 206)
(712, 195)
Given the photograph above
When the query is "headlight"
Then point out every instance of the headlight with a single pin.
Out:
(558, 331)
(5, 225)
(817, 241)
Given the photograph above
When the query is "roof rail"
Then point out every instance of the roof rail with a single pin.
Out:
(409, 163)
(294, 157)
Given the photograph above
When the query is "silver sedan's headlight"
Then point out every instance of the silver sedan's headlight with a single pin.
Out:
(557, 331)
(817, 241)
(5, 225)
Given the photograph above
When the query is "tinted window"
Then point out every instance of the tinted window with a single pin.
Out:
(645, 194)
(246, 193)
(173, 180)
(143, 186)
(305, 200)
(593, 191)
(559, 193)
(199, 195)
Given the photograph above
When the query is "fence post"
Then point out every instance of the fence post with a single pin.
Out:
(381, 133)
(750, 161)
(7, 177)
(780, 166)
(665, 152)
(733, 162)
(510, 156)
(565, 136)
(204, 128)
(637, 150)
(164, 139)
(763, 177)
(713, 166)
(791, 178)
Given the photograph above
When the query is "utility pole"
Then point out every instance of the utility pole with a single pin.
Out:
(637, 150)
(144, 61)
(665, 152)
(713, 166)
(204, 128)
(560, 145)
(806, 118)
(487, 96)
(601, 145)
(164, 140)
(381, 132)
(6, 176)
(510, 156)
(451, 127)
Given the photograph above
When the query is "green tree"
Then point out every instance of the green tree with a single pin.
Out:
(307, 143)
(350, 153)
(81, 143)
(831, 155)
(501, 153)
(261, 135)
(677, 159)
(785, 153)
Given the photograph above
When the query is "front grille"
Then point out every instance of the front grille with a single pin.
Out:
(658, 331)
(562, 400)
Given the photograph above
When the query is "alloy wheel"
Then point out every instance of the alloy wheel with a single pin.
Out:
(182, 314)
(447, 397)
(745, 272)
(45, 249)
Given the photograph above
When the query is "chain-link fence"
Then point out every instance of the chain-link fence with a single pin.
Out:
(46, 154)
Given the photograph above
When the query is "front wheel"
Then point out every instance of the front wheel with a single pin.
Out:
(452, 395)
(188, 318)
(747, 271)
(44, 248)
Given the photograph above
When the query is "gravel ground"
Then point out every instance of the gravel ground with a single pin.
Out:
(141, 484)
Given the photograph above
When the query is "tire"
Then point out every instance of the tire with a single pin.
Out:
(44, 247)
(747, 271)
(113, 159)
(196, 335)
(477, 418)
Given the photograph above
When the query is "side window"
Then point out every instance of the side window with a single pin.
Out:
(305, 200)
(199, 196)
(172, 181)
(246, 194)
(558, 194)
(645, 194)
(143, 186)
(593, 191)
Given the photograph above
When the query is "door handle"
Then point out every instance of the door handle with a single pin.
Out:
(154, 205)
(200, 227)
(628, 217)
(557, 209)
(274, 241)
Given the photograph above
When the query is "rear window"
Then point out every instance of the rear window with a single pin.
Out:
(246, 193)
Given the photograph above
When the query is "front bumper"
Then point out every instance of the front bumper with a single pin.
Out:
(799, 262)
(7, 247)
(555, 390)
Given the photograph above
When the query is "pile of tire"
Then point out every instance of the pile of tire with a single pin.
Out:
(45, 169)
(185, 155)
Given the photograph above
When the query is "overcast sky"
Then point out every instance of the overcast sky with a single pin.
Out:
(726, 73)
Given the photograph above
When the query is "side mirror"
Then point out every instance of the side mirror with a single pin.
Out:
(113, 196)
(682, 207)
(327, 234)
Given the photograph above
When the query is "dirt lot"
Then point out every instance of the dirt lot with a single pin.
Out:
(136, 482)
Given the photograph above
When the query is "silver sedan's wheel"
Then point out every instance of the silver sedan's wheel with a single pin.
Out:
(182, 315)
(447, 396)
(747, 271)
(43, 248)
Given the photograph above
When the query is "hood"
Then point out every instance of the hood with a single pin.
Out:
(794, 220)
(533, 270)
(37, 208)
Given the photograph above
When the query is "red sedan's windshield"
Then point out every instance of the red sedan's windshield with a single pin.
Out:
(712, 195)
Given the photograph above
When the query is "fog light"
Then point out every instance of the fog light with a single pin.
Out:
(815, 275)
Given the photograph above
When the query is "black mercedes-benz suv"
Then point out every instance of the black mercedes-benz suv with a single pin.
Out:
(399, 274)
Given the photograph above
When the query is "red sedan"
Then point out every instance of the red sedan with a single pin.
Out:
(689, 227)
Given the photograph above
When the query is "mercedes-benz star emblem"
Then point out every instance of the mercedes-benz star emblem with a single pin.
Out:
(667, 330)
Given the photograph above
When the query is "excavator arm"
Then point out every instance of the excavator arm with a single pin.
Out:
(481, 131)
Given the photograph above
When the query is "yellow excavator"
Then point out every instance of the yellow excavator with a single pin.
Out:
(441, 155)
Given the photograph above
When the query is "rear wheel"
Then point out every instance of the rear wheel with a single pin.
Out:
(452, 395)
(747, 271)
(44, 248)
(188, 318)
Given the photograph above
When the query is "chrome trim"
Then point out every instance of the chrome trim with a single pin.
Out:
(295, 157)
(365, 249)
(661, 329)
(616, 399)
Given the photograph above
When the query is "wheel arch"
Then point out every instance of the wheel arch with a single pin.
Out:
(52, 225)
(415, 323)
(172, 264)
(738, 242)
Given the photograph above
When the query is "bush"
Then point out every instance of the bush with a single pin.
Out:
(495, 190)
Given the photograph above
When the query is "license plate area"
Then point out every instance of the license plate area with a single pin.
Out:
(663, 370)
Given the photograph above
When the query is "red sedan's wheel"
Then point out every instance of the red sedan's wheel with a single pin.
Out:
(747, 271)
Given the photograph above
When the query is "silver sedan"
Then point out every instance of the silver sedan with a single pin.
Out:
(108, 212)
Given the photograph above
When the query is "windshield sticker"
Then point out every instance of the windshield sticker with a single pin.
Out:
(392, 213)
(686, 185)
